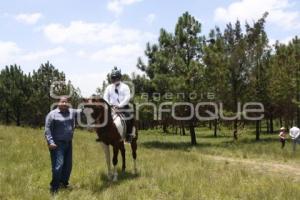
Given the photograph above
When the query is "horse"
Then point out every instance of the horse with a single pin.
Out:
(112, 132)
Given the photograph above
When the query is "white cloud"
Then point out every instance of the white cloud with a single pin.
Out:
(43, 54)
(116, 55)
(123, 56)
(81, 53)
(100, 47)
(285, 40)
(101, 61)
(80, 32)
(117, 6)
(87, 82)
(28, 18)
(272, 41)
(8, 51)
(11, 53)
(280, 12)
(150, 18)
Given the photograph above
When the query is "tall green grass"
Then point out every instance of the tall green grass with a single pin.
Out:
(168, 168)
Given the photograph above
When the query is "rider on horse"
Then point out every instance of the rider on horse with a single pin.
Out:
(117, 94)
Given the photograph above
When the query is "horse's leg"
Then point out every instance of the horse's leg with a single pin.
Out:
(122, 148)
(115, 161)
(107, 158)
(134, 148)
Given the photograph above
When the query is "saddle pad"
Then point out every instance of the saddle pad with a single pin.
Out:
(120, 124)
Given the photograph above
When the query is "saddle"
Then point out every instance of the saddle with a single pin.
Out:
(122, 125)
(120, 122)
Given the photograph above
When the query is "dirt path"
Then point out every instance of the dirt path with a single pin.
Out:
(291, 170)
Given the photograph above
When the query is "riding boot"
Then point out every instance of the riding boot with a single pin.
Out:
(129, 135)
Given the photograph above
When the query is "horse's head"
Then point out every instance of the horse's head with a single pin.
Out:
(97, 111)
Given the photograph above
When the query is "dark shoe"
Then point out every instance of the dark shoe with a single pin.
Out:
(64, 186)
(53, 191)
(98, 140)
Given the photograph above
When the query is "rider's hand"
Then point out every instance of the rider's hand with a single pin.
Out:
(52, 146)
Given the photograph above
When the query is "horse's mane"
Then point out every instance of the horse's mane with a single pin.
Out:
(108, 106)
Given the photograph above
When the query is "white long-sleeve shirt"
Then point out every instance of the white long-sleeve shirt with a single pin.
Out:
(294, 132)
(120, 98)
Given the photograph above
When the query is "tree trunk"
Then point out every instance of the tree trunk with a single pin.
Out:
(280, 121)
(271, 124)
(164, 126)
(260, 126)
(298, 94)
(7, 117)
(268, 126)
(18, 117)
(192, 133)
(257, 130)
(235, 129)
(215, 127)
(18, 121)
(183, 130)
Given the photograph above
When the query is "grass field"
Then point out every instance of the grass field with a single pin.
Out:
(217, 168)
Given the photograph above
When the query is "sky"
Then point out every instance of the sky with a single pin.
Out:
(85, 39)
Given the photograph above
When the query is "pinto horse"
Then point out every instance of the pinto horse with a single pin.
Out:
(111, 132)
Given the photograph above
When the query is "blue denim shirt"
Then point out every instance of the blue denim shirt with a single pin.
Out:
(59, 126)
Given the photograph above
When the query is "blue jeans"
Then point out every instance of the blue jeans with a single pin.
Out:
(61, 161)
(295, 141)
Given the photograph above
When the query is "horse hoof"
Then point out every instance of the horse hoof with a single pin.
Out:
(115, 179)
(109, 177)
